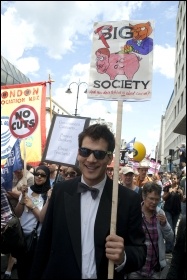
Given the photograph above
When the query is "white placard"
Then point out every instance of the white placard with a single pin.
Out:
(62, 141)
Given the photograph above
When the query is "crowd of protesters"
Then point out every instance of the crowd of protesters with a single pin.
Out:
(155, 208)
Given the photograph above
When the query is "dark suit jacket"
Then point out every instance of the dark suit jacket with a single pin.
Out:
(58, 254)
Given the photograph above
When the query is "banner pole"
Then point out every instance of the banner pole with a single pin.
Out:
(50, 97)
(115, 180)
(25, 168)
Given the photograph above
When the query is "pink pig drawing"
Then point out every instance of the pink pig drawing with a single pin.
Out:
(115, 64)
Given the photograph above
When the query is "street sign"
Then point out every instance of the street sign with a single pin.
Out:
(23, 121)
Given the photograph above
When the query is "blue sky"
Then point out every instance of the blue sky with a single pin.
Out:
(50, 37)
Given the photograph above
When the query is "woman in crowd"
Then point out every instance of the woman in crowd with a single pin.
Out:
(172, 197)
(157, 230)
(70, 172)
(30, 203)
(177, 268)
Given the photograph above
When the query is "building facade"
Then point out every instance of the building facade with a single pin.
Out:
(173, 122)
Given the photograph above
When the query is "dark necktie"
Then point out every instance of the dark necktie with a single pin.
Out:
(84, 188)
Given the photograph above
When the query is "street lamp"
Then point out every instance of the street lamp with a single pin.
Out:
(69, 91)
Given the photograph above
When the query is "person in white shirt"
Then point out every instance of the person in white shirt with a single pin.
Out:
(28, 209)
(75, 240)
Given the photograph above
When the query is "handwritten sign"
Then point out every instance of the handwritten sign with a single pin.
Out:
(62, 141)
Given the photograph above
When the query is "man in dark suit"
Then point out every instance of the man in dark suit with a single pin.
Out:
(75, 240)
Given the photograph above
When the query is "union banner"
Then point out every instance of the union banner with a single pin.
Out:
(28, 101)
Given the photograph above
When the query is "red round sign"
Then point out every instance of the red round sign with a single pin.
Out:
(23, 121)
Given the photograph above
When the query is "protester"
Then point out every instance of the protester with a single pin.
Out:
(28, 209)
(72, 172)
(128, 180)
(110, 172)
(54, 176)
(142, 168)
(157, 230)
(156, 179)
(110, 169)
(75, 240)
(177, 268)
(18, 181)
(173, 196)
(6, 212)
(30, 168)
(183, 187)
(13, 195)
(182, 155)
(62, 171)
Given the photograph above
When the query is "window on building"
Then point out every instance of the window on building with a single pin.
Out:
(175, 112)
(176, 67)
(183, 22)
(178, 24)
(177, 46)
(179, 81)
(176, 89)
(3, 77)
(10, 80)
(182, 97)
(180, 35)
(183, 46)
(185, 95)
(178, 106)
(181, 12)
(179, 57)
(182, 73)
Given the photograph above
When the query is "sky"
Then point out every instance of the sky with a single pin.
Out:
(43, 38)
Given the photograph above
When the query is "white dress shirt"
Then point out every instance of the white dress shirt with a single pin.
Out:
(89, 208)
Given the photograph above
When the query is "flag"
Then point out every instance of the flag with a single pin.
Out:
(14, 162)
(129, 146)
(29, 100)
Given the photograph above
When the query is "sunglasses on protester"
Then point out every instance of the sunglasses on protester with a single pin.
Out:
(70, 174)
(40, 174)
(84, 152)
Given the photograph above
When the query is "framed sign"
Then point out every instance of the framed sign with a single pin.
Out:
(62, 141)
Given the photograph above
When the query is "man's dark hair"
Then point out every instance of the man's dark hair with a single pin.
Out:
(96, 132)
(28, 166)
(150, 187)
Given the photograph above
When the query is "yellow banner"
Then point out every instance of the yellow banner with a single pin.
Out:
(23, 116)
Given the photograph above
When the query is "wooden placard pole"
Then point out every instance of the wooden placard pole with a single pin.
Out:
(25, 163)
(115, 180)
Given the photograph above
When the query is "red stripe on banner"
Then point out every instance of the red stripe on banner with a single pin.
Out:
(43, 119)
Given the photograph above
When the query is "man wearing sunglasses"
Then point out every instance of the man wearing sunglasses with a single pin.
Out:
(75, 241)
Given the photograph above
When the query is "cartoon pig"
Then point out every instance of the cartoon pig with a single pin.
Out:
(116, 63)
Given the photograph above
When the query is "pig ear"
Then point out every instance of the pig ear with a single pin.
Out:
(131, 25)
(149, 23)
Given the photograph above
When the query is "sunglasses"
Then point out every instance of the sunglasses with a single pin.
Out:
(39, 174)
(84, 152)
(71, 174)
